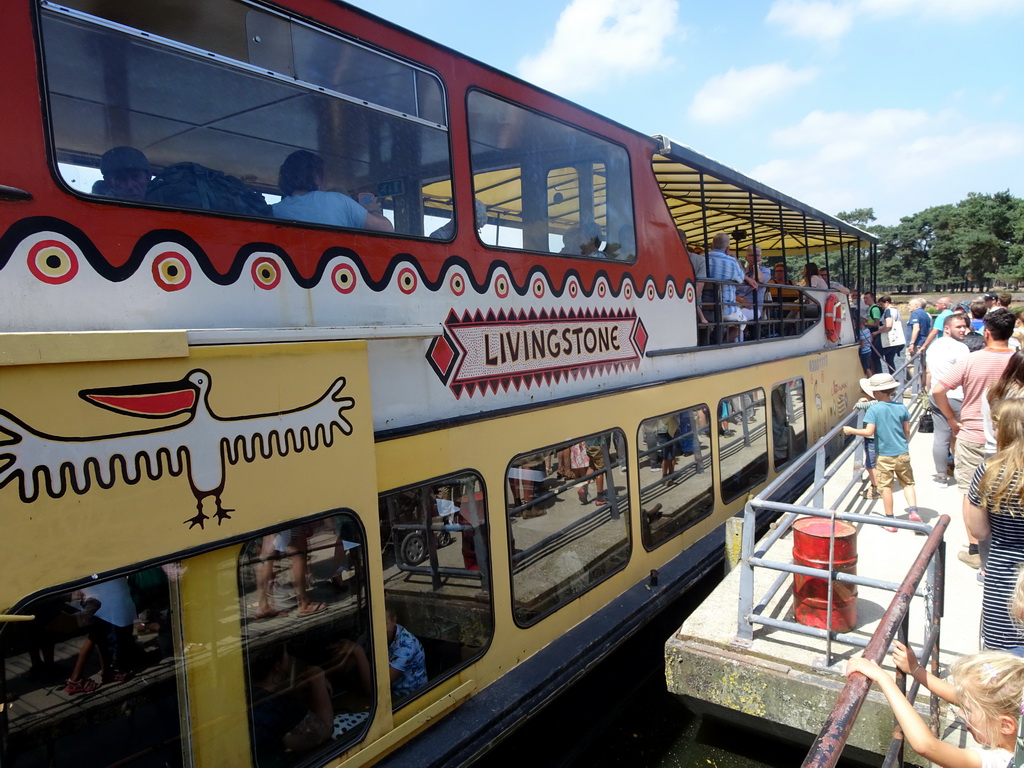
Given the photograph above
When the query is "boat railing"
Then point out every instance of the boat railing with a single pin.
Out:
(928, 567)
(786, 310)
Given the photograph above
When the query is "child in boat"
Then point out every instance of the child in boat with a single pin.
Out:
(987, 688)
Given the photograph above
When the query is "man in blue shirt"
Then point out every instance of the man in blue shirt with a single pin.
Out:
(918, 326)
(722, 266)
(938, 325)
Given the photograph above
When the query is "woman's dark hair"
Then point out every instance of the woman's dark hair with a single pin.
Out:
(300, 172)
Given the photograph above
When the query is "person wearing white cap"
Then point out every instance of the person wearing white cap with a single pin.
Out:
(889, 423)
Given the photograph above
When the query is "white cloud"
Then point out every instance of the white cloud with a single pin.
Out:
(959, 10)
(743, 91)
(828, 22)
(599, 41)
(897, 161)
(815, 19)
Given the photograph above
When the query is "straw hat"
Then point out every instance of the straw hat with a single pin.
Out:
(878, 382)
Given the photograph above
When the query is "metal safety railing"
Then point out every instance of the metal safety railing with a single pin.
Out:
(928, 568)
(828, 746)
(778, 310)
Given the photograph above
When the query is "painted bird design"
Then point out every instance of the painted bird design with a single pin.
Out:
(203, 443)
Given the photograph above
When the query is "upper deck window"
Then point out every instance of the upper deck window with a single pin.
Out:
(548, 186)
(237, 89)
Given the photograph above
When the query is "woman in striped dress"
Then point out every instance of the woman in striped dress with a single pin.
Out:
(997, 511)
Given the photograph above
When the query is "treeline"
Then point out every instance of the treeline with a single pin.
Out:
(974, 245)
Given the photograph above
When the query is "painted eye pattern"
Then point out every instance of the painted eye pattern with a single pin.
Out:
(266, 273)
(457, 284)
(171, 271)
(52, 262)
(501, 287)
(344, 278)
(407, 280)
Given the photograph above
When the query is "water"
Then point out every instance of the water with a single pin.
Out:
(620, 714)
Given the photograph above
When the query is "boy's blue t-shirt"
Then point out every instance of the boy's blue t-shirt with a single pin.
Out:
(888, 418)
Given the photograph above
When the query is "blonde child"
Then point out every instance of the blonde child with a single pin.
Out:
(987, 688)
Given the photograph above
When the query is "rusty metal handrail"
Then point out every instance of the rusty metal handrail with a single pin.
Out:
(832, 737)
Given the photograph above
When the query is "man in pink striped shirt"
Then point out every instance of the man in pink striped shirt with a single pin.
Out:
(975, 373)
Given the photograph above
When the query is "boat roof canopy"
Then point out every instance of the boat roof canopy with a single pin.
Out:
(706, 197)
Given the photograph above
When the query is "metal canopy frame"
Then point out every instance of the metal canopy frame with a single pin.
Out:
(706, 197)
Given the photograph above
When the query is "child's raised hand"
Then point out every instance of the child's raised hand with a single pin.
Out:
(866, 667)
(904, 658)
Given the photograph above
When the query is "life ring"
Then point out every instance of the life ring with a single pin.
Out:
(833, 317)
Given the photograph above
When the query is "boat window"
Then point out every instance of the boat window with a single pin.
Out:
(789, 422)
(548, 186)
(436, 580)
(211, 98)
(742, 443)
(568, 521)
(676, 491)
(306, 639)
(96, 673)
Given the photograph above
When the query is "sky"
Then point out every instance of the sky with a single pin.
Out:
(895, 105)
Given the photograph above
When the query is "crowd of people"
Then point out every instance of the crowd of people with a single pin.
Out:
(974, 374)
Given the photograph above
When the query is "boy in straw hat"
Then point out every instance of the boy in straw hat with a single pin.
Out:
(889, 423)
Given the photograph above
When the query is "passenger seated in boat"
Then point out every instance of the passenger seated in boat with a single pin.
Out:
(300, 180)
(407, 662)
(446, 231)
(291, 706)
(582, 240)
(811, 278)
(126, 174)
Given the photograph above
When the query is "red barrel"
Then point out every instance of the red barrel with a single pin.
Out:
(810, 549)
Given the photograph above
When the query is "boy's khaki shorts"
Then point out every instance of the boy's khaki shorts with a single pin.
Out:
(899, 466)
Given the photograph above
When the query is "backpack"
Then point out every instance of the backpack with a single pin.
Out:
(190, 185)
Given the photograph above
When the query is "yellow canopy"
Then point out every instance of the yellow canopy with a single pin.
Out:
(706, 197)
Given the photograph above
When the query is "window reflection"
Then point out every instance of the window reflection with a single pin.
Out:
(548, 186)
(436, 580)
(568, 508)
(215, 132)
(307, 639)
(789, 423)
(742, 443)
(676, 492)
(94, 678)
